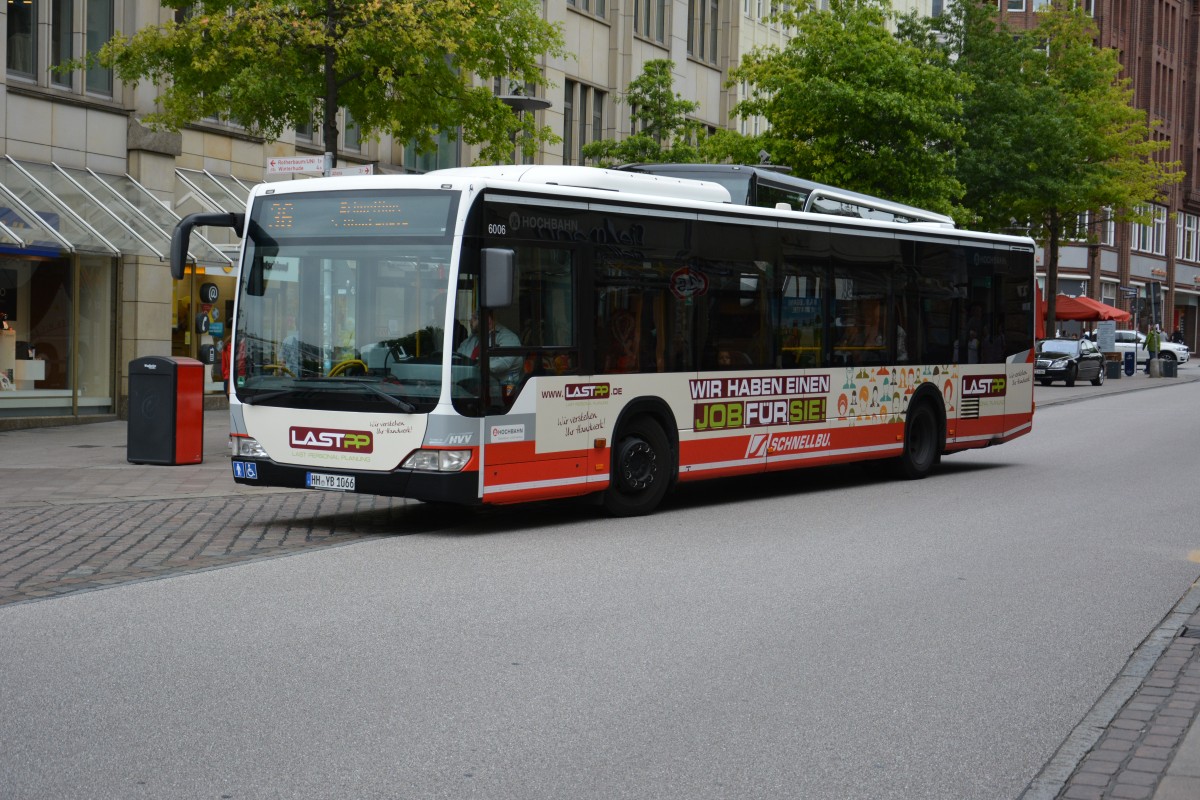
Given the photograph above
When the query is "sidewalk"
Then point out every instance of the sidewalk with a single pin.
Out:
(1139, 740)
(87, 464)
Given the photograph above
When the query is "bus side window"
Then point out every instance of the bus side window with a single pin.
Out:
(544, 313)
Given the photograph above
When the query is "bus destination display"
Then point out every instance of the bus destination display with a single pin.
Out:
(358, 214)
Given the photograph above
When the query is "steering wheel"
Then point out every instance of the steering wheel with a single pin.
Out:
(278, 369)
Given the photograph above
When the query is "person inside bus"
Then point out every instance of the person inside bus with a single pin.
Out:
(506, 370)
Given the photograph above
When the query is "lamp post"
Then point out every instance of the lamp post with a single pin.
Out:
(520, 104)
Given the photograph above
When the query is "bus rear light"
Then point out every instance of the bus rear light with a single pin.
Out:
(438, 460)
(245, 447)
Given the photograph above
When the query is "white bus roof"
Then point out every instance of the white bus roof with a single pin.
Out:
(596, 178)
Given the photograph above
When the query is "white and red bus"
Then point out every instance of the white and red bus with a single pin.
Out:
(636, 330)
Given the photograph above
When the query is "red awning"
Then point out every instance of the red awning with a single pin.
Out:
(1079, 308)
(1085, 308)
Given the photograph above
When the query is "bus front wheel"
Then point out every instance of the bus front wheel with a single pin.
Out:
(641, 470)
(922, 443)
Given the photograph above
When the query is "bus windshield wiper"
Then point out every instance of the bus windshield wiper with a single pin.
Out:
(403, 405)
(264, 397)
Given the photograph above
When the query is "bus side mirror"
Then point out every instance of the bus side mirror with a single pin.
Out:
(497, 277)
(182, 235)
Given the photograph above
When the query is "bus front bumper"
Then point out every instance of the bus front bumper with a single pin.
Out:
(436, 487)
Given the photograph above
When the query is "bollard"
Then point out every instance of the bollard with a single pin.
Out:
(1155, 366)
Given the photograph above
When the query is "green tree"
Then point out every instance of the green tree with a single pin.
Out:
(1052, 130)
(662, 131)
(853, 105)
(402, 67)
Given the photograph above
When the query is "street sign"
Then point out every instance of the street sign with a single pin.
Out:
(1128, 291)
(277, 166)
(362, 169)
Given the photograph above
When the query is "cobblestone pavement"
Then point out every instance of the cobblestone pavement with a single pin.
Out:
(78, 516)
(1134, 752)
(54, 550)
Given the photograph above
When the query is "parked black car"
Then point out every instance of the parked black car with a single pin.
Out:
(1069, 360)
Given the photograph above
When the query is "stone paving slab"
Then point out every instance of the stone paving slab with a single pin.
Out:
(79, 517)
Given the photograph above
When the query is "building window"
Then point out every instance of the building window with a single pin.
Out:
(1160, 231)
(99, 79)
(1152, 236)
(591, 6)
(305, 130)
(1108, 294)
(1090, 224)
(1014, 5)
(650, 19)
(62, 16)
(443, 156)
(569, 121)
(703, 18)
(1075, 229)
(583, 119)
(1187, 241)
(597, 116)
(351, 136)
(1108, 228)
(713, 16)
(691, 27)
(22, 39)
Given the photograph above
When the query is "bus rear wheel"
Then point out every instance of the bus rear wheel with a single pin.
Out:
(922, 443)
(641, 470)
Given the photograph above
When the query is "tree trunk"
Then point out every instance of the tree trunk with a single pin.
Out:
(329, 128)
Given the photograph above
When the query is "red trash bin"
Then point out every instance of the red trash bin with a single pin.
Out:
(166, 411)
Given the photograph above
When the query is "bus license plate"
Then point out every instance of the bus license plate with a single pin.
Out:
(340, 483)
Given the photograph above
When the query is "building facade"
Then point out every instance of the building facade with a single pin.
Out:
(1152, 270)
(89, 195)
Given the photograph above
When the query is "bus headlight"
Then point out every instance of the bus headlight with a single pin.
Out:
(438, 460)
(245, 447)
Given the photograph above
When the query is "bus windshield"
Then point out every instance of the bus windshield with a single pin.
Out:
(342, 301)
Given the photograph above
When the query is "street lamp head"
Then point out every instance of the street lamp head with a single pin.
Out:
(520, 103)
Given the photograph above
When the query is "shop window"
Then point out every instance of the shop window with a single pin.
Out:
(95, 358)
(201, 321)
(46, 362)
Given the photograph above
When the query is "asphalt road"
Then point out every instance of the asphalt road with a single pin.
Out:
(821, 634)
